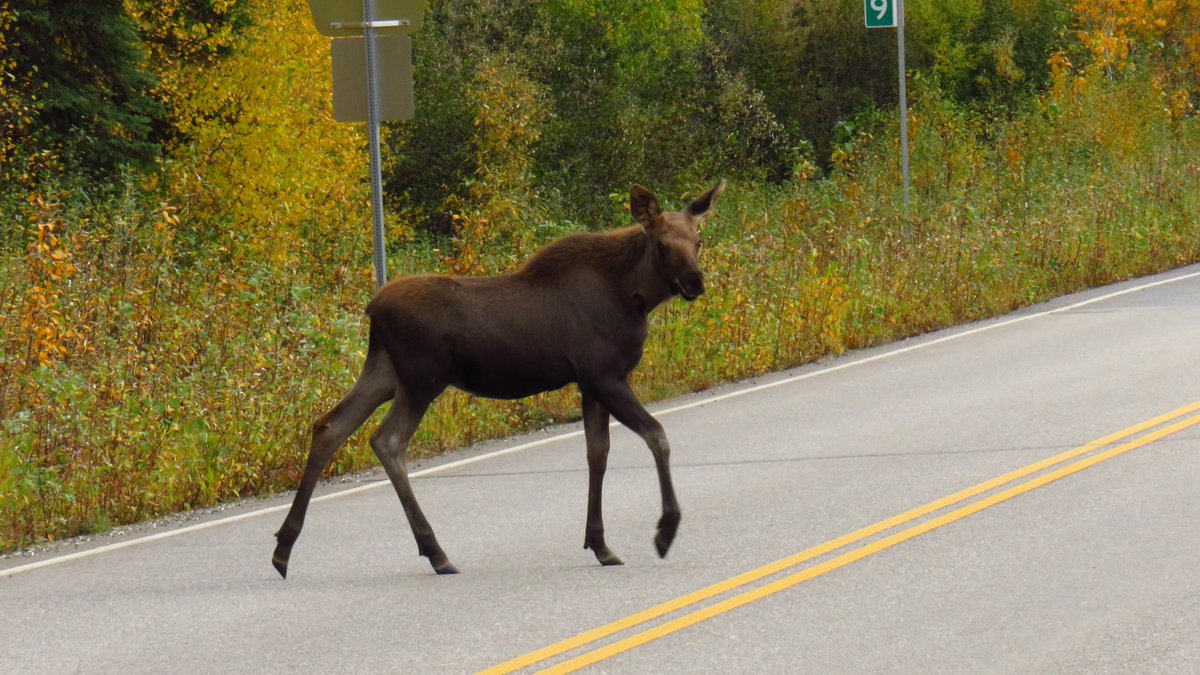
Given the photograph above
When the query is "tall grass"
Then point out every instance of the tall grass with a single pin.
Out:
(1068, 194)
(148, 364)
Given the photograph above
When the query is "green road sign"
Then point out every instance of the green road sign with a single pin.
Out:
(880, 13)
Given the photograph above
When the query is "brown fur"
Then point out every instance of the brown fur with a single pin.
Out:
(608, 252)
(576, 312)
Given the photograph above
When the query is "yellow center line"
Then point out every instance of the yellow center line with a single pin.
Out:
(845, 559)
(752, 576)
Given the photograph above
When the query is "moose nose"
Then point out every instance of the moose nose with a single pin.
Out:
(691, 287)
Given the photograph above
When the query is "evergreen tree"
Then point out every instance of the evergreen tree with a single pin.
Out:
(82, 63)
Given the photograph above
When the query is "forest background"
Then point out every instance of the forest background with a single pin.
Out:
(185, 249)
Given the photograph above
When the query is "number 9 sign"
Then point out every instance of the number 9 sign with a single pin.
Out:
(880, 13)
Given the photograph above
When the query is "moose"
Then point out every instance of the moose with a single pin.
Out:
(575, 312)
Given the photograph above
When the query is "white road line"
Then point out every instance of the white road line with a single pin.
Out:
(575, 434)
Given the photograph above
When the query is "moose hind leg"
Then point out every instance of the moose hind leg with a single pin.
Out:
(375, 385)
(390, 442)
(595, 426)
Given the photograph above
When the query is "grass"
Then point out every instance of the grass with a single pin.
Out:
(151, 362)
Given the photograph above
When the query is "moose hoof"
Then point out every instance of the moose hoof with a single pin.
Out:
(439, 561)
(665, 535)
(284, 539)
(606, 557)
(662, 544)
(280, 562)
(429, 549)
(595, 541)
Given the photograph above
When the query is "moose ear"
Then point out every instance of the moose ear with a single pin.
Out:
(701, 205)
(643, 205)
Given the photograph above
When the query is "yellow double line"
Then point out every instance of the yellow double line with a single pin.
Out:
(747, 597)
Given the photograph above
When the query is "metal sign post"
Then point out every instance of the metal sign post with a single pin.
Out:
(348, 19)
(890, 14)
(903, 98)
(381, 275)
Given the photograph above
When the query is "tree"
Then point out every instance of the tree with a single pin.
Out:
(82, 62)
(632, 91)
(817, 65)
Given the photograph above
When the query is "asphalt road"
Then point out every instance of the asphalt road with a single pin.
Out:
(1092, 569)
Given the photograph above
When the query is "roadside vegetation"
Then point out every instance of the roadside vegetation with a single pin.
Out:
(185, 252)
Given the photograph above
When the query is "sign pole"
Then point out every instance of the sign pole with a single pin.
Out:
(890, 14)
(373, 143)
(903, 99)
(387, 50)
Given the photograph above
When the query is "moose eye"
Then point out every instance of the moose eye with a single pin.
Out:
(662, 249)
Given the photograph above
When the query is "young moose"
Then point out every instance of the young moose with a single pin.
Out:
(576, 311)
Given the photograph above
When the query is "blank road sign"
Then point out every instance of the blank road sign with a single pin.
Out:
(394, 78)
(343, 18)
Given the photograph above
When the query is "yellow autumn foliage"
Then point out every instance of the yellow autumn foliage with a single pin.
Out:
(166, 345)
(260, 152)
(1115, 31)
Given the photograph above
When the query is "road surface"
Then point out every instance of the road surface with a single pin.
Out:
(1017, 495)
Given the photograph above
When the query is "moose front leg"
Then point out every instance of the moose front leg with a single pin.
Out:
(668, 525)
(620, 400)
(595, 428)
